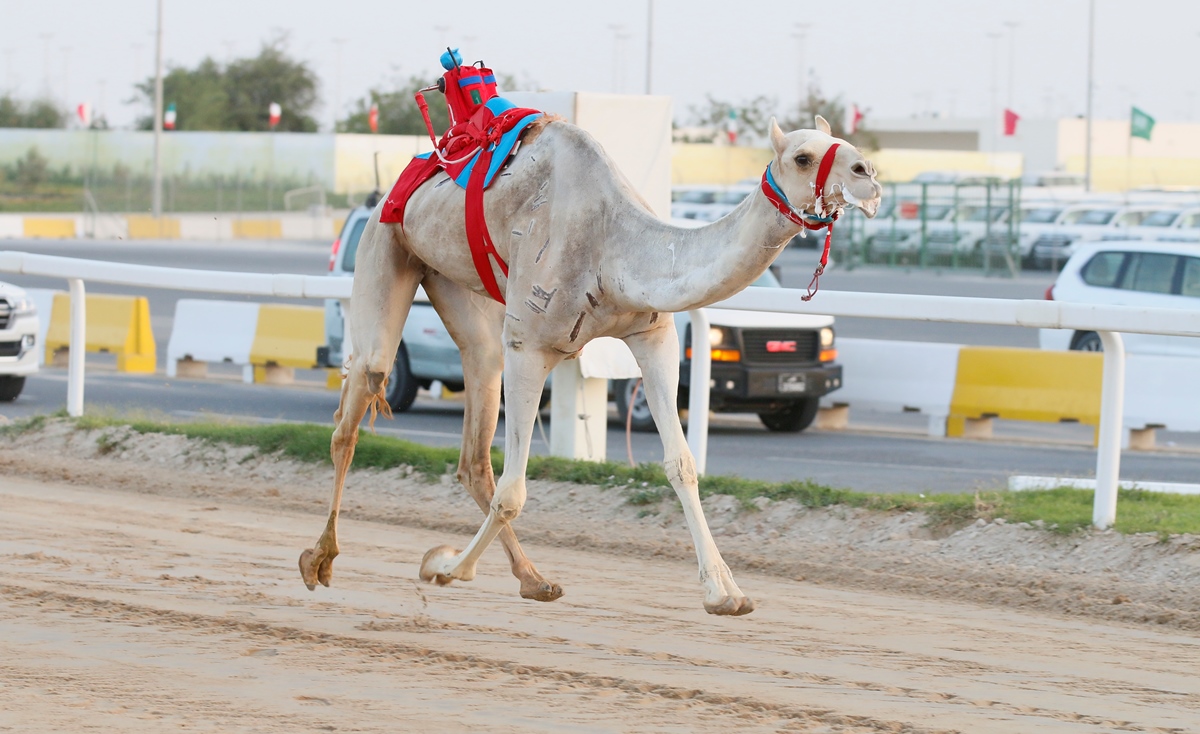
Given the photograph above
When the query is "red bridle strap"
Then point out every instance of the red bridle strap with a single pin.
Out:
(777, 198)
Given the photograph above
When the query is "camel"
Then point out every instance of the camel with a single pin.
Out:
(586, 258)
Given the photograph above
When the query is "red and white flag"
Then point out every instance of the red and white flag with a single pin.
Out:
(1010, 122)
(853, 117)
(274, 112)
(731, 126)
(169, 117)
(84, 112)
(373, 118)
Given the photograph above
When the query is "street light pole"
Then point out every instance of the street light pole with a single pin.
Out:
(991, 128)
(1087, 156)
(156, 194)
(649, 43)
(1012, 59)
(800, 35)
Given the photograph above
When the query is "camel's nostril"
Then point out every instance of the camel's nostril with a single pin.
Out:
(859, 169)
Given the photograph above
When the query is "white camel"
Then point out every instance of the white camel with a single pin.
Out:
(587, 258)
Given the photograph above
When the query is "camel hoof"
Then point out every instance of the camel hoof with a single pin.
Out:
(428, 563)
(541, 591)
(316, 568)
(731, 606)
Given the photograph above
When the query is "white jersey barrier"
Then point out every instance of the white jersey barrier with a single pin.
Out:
(213, 331)
(897, 377)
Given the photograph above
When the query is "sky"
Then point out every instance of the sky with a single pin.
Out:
(893, 59)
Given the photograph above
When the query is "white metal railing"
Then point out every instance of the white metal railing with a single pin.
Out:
(1107, 321)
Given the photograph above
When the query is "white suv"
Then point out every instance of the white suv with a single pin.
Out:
(18, 341)
(1129, 273)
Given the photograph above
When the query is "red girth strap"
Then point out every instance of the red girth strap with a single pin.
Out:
(478, 238)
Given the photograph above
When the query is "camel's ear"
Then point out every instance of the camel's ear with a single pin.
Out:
(778, 140)
(823, 126)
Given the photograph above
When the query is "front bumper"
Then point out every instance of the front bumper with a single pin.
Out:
(19, 351)
(738, 387)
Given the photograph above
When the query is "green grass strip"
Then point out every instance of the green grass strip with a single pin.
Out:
(1062, 510)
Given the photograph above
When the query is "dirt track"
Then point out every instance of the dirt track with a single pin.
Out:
(168, 602)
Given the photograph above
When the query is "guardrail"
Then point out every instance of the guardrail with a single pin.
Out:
(1107, 321)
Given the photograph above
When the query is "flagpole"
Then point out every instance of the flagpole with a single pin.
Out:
(156, 194)
(1087, 160)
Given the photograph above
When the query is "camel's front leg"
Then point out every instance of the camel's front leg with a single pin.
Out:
(657, 353)
(476, 322)
(525, 371)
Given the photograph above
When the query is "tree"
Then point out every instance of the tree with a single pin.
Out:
(40, 113)
(753, 116)
(398, 111)
(32, 170)
(834, 112)
(236, 96)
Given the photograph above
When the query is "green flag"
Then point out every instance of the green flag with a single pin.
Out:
(1140, 124)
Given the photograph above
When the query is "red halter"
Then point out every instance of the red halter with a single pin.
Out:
(779, 200)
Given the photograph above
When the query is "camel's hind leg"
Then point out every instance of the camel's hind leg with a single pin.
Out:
(385, 282)
(476, 322)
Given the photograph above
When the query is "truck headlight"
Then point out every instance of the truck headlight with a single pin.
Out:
(826, 337)
(22, 306)
(717, 336)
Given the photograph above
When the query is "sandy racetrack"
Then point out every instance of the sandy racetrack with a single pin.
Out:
(144, 596)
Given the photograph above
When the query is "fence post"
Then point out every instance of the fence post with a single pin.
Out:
(1112, 410)
(77, 350)
(924, 220)
(698, 393)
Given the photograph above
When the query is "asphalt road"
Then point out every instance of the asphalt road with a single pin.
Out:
(882, 452)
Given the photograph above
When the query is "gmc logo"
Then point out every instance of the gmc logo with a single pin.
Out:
(781, 346)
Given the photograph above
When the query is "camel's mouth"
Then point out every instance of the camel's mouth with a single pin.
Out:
(868, 203)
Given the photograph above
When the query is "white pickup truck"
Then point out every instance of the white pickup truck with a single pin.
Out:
(18, 341)
(775, 365)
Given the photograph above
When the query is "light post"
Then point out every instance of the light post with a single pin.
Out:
(1087, 156)
(156, 192)
(801, 34)
(991, 127)
(1012, 59)
(649, 42)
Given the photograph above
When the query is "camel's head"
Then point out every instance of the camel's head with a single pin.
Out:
(851, 180)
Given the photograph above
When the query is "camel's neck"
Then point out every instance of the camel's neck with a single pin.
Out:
(670, 268)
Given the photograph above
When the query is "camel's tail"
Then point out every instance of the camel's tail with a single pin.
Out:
(379, 404)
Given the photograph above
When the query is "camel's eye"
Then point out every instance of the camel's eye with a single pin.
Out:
(803, 160)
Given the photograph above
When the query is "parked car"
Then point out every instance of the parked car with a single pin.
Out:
(426, 351)
(902, 230)
(1146, 274)
(1086, 223)
(775, 365)
(18, 341)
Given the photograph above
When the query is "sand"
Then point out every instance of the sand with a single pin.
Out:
(150, 585)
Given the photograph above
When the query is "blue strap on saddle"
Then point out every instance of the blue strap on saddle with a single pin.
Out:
(502, 149)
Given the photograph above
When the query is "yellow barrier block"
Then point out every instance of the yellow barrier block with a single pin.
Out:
(1025, 384)
(333, 379)
(288, 336)
(49, 227)
(115, 324)
(257, 229)
(151, 228)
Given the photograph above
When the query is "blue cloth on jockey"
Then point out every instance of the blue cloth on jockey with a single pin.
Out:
(503, 149)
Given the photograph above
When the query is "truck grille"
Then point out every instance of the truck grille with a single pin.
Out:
(5, 314)
(758, 345)
(10, 349)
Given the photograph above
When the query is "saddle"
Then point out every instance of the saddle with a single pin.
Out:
(485, 132)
